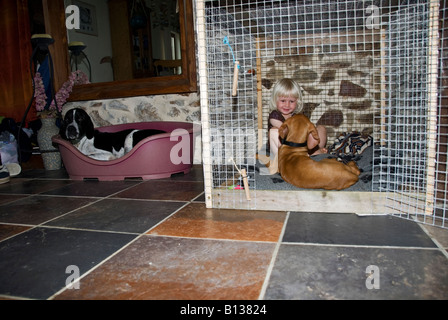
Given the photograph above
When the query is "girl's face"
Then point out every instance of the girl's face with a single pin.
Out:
(286, 105)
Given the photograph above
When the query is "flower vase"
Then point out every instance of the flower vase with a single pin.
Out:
(50, 155)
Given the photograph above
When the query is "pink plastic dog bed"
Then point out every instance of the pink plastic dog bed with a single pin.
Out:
(149, 159)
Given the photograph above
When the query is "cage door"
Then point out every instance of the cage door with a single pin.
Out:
(405, 160)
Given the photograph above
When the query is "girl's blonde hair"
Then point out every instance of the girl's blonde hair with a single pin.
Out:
(286, 88)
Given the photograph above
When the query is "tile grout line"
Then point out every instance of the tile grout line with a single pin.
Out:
(208, 238)
(114, 254)
(167, 217)
(104, 260)
(16, 234)
(96, 200)
(87, 230)
(42, 224)
(437, 243)
(341, 245)
(98, 265)
(93, 268)
(16, 297)
(273, 259)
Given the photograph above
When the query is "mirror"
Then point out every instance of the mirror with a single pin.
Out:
(126, 39)
(149, 49)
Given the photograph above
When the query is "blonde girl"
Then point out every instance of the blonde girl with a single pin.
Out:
(286, 101)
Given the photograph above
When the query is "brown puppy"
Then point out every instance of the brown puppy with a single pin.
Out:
(297, 168)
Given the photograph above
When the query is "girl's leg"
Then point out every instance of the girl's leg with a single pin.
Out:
(274, 145)
(319, 149)
(274, 142)
(322, 131)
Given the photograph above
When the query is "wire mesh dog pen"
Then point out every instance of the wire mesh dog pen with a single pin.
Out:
(372, 67)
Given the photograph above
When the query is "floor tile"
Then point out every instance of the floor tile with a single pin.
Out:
(119, 215)
(201, 198)
(175, 268)
(26, 186)
(7, 230)
(33, 264)
(195, 174)
(441, 235)
(44, 174)
(319, 272)
(92, 188)
(164, 190)
(5, 198)
(344, 228)
(192, 252)
(195, 220)
(38, 209)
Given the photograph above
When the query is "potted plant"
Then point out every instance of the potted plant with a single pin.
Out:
(48, 110)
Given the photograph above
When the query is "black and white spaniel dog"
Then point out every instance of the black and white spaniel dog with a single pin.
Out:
(78, 128)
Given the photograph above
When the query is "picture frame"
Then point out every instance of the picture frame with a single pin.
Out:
(88, 19)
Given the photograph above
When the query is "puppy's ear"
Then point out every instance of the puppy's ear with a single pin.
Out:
(62, 131)
(85, 123)
(313, 136)
(283, 131)
(90, 130)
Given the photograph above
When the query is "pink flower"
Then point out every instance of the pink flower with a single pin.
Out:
(39, 92)
(76, 77)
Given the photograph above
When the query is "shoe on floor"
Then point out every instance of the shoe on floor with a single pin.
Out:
(4, 174)
(14, 169)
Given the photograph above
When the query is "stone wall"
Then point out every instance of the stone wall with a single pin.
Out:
(340, 88)
(170, 107)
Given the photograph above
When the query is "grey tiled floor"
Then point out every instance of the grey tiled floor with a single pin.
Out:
(156, 240)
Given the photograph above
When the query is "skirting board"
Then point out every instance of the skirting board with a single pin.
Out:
(362, 203)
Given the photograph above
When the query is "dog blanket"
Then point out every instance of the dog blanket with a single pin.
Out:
(353, 143)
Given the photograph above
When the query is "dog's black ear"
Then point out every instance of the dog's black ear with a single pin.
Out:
(62, 131)
(90, 129)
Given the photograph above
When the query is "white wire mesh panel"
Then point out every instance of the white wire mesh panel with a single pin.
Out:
(441, 180)
(231, 116)
(365, 66)
(410, 111)
(404, 118)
